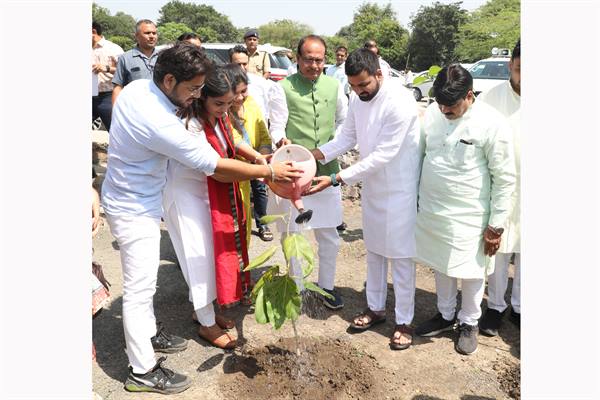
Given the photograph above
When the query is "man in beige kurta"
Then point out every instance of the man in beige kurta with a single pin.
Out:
(467, 180)
(506, 98)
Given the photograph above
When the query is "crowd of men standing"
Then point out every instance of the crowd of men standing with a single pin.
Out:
(441, 190)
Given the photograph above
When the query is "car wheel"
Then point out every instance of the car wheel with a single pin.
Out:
(417, 94)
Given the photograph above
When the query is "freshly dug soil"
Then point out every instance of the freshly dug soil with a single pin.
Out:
(509, 377)
(325, 369)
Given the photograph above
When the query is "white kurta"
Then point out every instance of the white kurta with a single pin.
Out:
(386, 130)
(467, 181)
(504, 99)
(187, 215)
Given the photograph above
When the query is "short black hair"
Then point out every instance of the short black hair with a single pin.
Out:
(236, 74)
(184, 61)
(311, 37)
(369, 44)
(452, 84)
(142, 22)
(360, 60)
(187, 36)
(96, 26)
(341, 48)
(238, 49)
(516, 53)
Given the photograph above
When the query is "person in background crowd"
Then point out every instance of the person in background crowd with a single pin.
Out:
(258, 61)
(317, 108)
(137, 63)
(337, 71)
(250, 126)
(145, 133)
(467, 180)
(105, 55)
(385, 67)
(382, 119)
(506, 98)
(190, 37)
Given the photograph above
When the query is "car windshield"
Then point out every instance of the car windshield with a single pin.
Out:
(219, 56)
(490, 70)
(280, 60)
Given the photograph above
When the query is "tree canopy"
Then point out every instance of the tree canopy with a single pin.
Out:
(118, 28)
(434, 35)
(284, 32)
(200, 18)
(378, 23)
(495, 24)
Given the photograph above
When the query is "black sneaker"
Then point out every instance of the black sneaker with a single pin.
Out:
(166, 343)
(491, 322)
(515, 318)
(434, 326)
(467, 339)
(334, 304)
(342, 227)
(159, 379)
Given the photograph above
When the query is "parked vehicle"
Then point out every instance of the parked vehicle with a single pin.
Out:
(490, 72)
(219, 53)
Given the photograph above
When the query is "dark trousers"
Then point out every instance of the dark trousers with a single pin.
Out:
(260, 199)
(102, 107)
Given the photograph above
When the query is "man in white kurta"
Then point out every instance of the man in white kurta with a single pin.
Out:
(506, 98)
(382, 119)
(467, 180)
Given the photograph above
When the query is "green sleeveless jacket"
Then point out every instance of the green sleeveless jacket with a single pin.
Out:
(312, 106)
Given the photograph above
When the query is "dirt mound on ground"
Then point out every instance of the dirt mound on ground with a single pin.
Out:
(325, 369)
(509, 377)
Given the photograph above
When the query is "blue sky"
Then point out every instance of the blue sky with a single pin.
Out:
(326, 17)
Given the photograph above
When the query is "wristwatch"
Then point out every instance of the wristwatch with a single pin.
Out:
(334, 181)
(107, 68)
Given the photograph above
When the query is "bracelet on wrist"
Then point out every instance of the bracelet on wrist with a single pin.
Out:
(272, 172)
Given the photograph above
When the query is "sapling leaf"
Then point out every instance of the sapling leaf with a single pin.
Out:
(314, 288)
(267, 219)
(259, 307)
(260, 260)
(434, 70)
(296, 245)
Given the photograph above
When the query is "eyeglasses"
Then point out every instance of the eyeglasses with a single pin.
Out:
(195, 91)
(317, 61)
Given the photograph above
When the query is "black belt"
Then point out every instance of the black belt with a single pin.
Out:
(104, 93)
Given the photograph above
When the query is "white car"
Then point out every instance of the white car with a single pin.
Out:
(489, 73)
(219, 53)
(422, 89)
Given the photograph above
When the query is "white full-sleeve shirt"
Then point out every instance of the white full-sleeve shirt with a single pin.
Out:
(145, 132)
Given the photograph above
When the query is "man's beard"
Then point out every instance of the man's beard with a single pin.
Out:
(174, 100)
(370, 96)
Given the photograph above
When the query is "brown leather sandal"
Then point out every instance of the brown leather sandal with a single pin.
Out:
(403, 330)
(373, 320)
(222, 321)
(217, 337)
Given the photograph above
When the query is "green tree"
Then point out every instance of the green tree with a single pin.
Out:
(283, 32)
(169, 32)
(120, 24)
(199, 16)
(378, 23)
(434, 35)
(495, 24)
(125, 42)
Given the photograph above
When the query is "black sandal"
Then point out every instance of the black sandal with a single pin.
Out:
(403, 329)
(265, 234)
(373, 320)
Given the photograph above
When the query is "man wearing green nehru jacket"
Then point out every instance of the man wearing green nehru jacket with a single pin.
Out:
(317, 109)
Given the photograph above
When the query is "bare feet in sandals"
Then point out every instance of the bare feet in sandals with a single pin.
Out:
(367, 319)
(221, 320)
(217, 337)
(401, 338)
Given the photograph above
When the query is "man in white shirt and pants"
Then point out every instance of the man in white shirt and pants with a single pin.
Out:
(146, 132)
(382, 119)
(506, 98)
